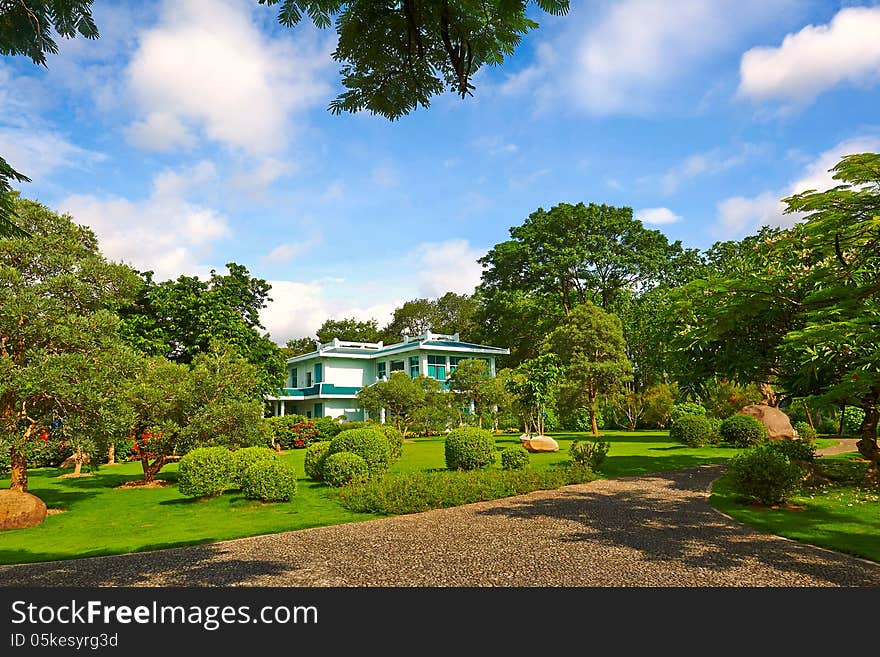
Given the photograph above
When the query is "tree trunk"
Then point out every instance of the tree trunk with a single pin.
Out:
(593, 424)
(842, 418)
(111, 454)
(768, 396)
(77, 464)
(867, 445)
(18, 458)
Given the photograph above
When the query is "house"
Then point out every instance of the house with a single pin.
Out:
(325, 382)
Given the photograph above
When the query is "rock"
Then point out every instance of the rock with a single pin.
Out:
(539, 443)
(70, 461)
(20, 510)
(777, 423)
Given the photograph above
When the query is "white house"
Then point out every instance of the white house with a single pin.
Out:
(325, 382)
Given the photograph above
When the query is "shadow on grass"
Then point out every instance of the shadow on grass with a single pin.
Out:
(682, 527)
(625, 466)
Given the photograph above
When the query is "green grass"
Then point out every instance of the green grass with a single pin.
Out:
(100, 519)
(843, 517)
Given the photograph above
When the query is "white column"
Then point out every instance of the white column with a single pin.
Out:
(473, 407)
(275, 408)
(381, 416)
(282, 408)
(492, 366)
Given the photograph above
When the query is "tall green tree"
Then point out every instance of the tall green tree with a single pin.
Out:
(472, 382)
(450, 313)
(534, 385)
(298, 347)
(589, 343)
(59, 343)
(404, 398)
(349, 329)
(395, 56)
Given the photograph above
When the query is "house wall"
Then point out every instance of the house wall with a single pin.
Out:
(349, 371)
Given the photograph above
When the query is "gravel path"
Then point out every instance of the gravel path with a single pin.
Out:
(655, 530)
(843, 446)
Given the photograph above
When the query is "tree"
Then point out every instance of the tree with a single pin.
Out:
(402, 397)
(180, 318)
(589, 344)
(174, 408)
(395, 56)
(298, 347)
(533, 385)
(658, 404)
(471, 382)
(26, 29)
(449, 314)
(59, 343)
(349, 329)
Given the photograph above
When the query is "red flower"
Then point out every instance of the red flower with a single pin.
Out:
(44, 435)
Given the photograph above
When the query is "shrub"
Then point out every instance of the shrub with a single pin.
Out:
(852, 420)
(715, 430)
(327, 428)
(46, 451)
(828, 425)
(369, 443)
(743, 430)
(515, 457)
(205, 471)
(795, 450)
(764, 474)
(316, 453)
(469, 448)
(344, 468)
(692, 430)
(589, 453)
(293, 431)
(395, 439)
(578, 419)
(243, 458)
(685, 408)
(355, 424)
(805, 431)
(269, 481)
(412, 492)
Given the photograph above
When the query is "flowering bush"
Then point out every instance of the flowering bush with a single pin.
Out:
(294, 431)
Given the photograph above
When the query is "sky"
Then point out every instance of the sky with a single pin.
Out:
(194, 133)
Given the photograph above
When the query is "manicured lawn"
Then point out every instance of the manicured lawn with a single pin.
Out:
(845, 518)
(100, 519)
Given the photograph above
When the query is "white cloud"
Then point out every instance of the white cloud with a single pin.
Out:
(522, 181)
(494, 146)
(657, 216)
(261, 175)
(623, 57)
(208, 64)
(449, 266)
(709, 162)
(741, 214)
(816, 59)
(160, 131)
(164, 233)
(36, 151)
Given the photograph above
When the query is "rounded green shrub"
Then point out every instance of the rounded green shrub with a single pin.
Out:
(589, 453)
(369, 443)
(686, 408)
(852, 420)
(243, 458)
(743, 430)
(269, 481)
(469, 448)
(805, 431)
(205, 472)
(344, 468)
(395, 440)
(327, 428)
(315, 455)
(515, 457)
(692, 430)
(795, 450)
(765, 475)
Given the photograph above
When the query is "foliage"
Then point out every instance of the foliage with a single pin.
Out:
(725, 398)
(589, 343)
(627, 407)
(269, 481)
(294, 431)
(297, 347)
(852, 420)
(795, 450)
(344, 469)
(394, 58)
(243, 458)
(472, 382)
(515, 457)
(402, 397)
(805, 431)
(533, 385)
(328, 427)
(349, 329)
(743, 430)
(449, 314)
(370, 443)
(413, 492)
(686, 408)
(692, 430)
(578, 419)
(205, 472)
(765, 475)
(659, 400)
(316, 454)
(394, 438)
(469, 448)
(589, 453)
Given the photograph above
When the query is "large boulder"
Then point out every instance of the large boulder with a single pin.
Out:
(20, 510)
(539, 443)
(777, 423)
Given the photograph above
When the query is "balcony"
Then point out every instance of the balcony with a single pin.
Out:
(318, 390)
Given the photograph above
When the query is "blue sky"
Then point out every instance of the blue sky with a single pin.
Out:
(195, 133)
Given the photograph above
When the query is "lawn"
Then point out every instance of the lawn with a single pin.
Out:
(844, 517)
(100, 519)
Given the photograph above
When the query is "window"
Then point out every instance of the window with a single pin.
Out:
(413, 366)
(397, 366)
(319, 410)
(453, 362)
(318, 373)
(437, 367)
(380, 370)
(293, 378)
(308, 379)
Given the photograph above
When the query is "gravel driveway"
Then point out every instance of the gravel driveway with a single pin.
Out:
(654, 530)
